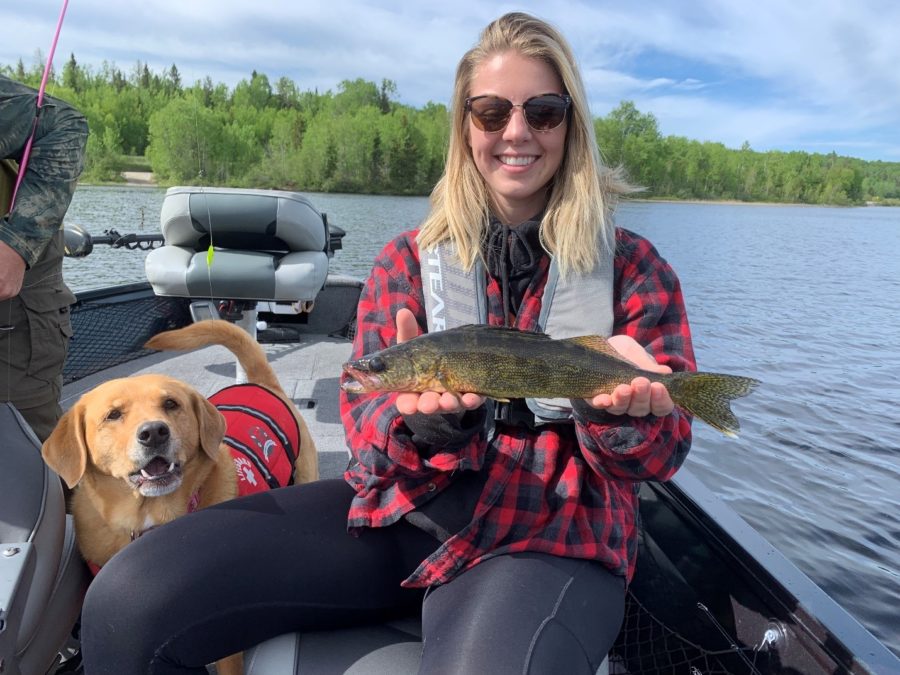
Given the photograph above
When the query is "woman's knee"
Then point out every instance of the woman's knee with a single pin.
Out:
(551, 614)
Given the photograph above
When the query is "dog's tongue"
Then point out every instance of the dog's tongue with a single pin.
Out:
(156, 467)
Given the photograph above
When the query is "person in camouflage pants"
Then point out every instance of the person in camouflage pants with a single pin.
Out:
(34, 301)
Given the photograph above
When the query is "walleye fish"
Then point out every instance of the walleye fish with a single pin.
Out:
(507, 363)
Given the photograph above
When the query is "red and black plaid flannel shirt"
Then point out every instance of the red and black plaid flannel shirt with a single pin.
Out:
(564, 489)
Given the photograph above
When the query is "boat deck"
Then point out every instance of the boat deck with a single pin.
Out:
(309, 372)
(708, 588)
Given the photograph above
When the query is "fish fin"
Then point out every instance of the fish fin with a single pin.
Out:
(476, 328)
(501, 400)
(446, 385)
(597, 343)
(708, 396)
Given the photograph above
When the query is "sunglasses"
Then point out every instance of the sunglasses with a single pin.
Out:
(542, 113)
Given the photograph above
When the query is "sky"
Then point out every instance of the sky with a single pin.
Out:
(815, 75)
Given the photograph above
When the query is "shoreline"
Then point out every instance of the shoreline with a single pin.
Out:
(146, 179)
(139, 179)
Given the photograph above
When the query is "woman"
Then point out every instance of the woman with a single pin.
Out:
(524, 542)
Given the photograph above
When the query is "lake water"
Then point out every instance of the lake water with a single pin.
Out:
(803, 298)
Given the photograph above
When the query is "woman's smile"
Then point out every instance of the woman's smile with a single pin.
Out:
(517, 160)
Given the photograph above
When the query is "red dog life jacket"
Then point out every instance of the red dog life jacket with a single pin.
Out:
(262, 434)
(263, 437)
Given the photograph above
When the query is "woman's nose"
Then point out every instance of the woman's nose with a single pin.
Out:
(517, 128)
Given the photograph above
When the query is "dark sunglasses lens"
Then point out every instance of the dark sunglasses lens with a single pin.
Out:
(545, 112)
(491, 113)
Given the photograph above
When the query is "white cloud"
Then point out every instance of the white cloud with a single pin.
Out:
(781, 72)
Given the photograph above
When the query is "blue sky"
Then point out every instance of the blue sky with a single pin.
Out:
(814, 75)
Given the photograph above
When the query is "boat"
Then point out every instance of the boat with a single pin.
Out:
(710, 594)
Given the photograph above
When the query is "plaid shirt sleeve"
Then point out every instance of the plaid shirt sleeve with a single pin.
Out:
(56, 160)
(649, 307)
(377, 434)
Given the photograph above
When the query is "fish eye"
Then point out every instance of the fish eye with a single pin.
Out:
(377, 364)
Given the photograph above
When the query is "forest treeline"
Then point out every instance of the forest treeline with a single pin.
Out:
(362, 139)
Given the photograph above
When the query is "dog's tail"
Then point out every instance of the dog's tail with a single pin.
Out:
(217, 332)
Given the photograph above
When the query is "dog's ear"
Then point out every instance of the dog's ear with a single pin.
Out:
(65, 450)
(211, 423)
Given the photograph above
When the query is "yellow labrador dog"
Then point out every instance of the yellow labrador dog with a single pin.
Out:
(141, 451)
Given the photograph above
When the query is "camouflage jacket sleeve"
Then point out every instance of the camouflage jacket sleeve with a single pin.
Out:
(56, 161)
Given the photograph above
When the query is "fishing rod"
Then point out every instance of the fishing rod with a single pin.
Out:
(26, 153)
(79, 242)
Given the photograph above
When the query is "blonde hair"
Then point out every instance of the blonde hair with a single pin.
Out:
(577, 223)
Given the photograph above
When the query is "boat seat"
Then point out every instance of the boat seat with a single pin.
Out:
(268, 245)
(392, 648)
(42, 576)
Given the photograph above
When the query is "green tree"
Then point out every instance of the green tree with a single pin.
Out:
(72, 78)
(103, 155)
(185, 143)
(402, 143)
(255, 94)
(362, 139)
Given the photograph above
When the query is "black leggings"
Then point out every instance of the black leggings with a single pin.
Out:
(227, 577)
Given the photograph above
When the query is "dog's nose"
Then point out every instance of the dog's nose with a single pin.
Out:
(153, 434)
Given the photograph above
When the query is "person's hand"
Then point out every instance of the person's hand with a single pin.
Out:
(12, 271)
(641, 397)
(428, 402)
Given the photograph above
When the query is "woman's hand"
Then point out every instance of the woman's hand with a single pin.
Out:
(641, 397)
(428, 402)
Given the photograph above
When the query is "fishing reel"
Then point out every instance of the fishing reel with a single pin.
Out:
(79, 242)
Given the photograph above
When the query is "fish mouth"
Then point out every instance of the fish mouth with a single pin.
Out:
(363, 381)
(157, 477)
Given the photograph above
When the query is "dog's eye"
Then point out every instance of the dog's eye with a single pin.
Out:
(114, 414)
(170, 404)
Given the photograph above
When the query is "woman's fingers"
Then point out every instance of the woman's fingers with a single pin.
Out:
(660, 401)
(429, 402)
(639, 398)
(407, 327)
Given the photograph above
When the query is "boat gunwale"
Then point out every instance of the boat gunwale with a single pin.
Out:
(833, 628)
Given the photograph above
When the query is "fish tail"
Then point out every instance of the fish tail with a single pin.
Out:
(708, 396)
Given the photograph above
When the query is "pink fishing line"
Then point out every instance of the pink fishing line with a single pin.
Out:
(23, 165)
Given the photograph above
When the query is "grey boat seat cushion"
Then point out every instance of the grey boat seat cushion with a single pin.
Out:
(268, 245)
(42, 576)
(391, 648)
